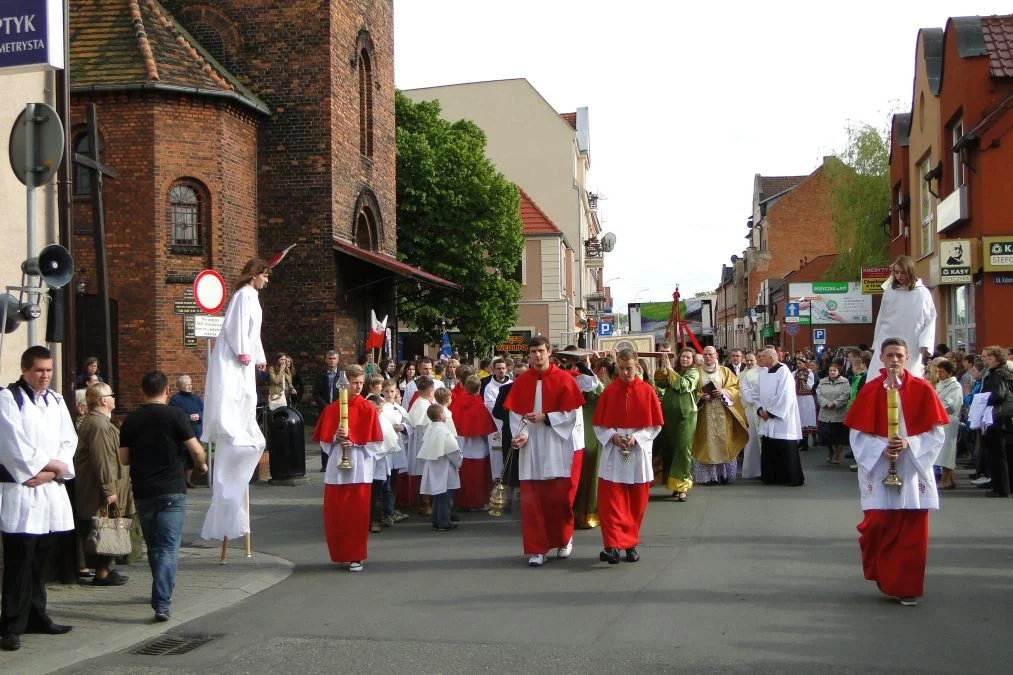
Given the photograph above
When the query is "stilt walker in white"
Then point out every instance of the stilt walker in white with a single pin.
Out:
(230, 403)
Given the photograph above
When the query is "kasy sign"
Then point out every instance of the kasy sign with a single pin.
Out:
(998, 254)
(31, 35)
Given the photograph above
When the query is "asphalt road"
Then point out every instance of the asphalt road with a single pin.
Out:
(740, 578)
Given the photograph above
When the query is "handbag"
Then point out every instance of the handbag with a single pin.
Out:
(275, 401)
(110, 534)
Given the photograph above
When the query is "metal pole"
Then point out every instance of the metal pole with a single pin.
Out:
(30, 192)
(101, 263)
(66, 214)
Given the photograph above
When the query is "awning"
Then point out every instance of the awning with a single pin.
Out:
(392, 264)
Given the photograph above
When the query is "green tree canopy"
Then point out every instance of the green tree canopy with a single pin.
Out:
(459, 218)
(859, 200)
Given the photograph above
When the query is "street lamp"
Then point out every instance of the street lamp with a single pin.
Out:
(637, 294)
(610, 281)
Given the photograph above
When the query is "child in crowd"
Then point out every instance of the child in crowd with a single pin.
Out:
(419, 422)
(441, 458)
(398, 417)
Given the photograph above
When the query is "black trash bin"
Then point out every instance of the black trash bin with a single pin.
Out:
(288, 443)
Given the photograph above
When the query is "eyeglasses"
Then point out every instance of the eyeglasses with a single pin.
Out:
(109, 395)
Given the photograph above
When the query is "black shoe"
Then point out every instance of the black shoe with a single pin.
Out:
(116, 574)
(996, 495)
(51, 629)
(110, 580)
(454, 518)
(85, 574)
(10, 642)
(632, 555)
(448, 528)
(609, 555)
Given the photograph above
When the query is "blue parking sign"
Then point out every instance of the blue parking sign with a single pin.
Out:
(819, 336)
(605, 328)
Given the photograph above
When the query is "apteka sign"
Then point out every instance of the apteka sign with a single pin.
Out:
(31, 35)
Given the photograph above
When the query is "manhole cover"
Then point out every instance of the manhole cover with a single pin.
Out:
(172, 645)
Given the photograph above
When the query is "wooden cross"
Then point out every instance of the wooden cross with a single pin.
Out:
(99, 170)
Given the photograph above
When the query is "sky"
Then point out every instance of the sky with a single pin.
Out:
(686, 102)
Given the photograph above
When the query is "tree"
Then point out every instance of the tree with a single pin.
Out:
(859, 199)
(458, 218)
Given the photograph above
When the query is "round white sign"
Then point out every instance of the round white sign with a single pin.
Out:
(209, 291)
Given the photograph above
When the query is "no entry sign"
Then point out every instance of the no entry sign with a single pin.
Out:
(209, 291)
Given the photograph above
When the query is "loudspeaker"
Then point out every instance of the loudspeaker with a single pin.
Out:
(55, 319)
(13, 312)
(55, 265)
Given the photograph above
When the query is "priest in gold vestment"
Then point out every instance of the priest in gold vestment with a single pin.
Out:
(721, 428)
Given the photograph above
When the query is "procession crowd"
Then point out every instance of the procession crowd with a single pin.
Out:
(570, 438)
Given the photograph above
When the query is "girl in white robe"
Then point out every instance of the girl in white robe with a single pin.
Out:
(907, 312)
(748, 385)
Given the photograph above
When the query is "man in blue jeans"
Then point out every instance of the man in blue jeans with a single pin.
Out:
(154, 441)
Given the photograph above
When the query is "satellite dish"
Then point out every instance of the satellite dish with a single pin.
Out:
(608, 242)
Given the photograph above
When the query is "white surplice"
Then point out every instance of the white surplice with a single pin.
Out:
(951, 395)
(910, 315)
(30, 438)
(362, 457)
(398, 415)
(419, 420)
(776, 395)
(230, 391)
(914, 466)
(750, 393)
(441, 457)
(411, 389)
(638, 466)
(549, 451)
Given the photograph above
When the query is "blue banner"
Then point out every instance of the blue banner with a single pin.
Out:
(446, 350)
(31, 35)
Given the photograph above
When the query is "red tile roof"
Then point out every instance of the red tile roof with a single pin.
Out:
(998, 34)
(534, 219)
(570, 118)
(117, 42)
(775, 185)
(392, 264)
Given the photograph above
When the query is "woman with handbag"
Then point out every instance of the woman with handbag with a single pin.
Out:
(102, 482)
(282, 390)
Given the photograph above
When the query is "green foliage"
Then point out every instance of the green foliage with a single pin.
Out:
(459, 218)
(859, 200)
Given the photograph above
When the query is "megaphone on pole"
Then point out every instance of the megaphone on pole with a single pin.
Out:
(11, 309)
(55, 265)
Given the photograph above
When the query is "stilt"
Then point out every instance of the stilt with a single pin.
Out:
(249, 545)
(225, 550)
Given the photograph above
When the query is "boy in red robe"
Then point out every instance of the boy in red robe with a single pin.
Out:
(474, 424)
(894, 534)
(347, 491)
(544, 403)
(626, 421)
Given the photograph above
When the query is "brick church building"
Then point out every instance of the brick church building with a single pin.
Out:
(237, 128)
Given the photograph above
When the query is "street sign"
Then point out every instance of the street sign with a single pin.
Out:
(1002, 279)
(605, 328)
(819, 336)
(205, 326)
(791, 312)
(955, 261)
(45, 131)
(873, 279)
(791, 329)
(209, 291)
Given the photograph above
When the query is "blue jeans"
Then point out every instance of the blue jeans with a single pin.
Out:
(162, 524)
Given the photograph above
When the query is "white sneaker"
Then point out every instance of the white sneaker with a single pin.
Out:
(355, 567)
(537, 560)
(908, 602)
(566, 550)
(981, 480)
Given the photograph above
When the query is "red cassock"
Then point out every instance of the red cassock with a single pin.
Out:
(546, 505)
(894, 545)
(894, 542)
(346, 507)
(621, 506)
(472, 420)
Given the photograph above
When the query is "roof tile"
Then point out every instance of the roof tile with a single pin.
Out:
(998, 34)
(115, 43)
(775, 185)
(534, 219)
(570, 118)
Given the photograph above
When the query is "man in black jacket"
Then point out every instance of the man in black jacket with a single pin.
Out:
(511, 476)
(326, 391)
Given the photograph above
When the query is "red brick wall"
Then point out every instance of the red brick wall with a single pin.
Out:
(798, 227)
(153, 140)
(310, 168)
(967, 90)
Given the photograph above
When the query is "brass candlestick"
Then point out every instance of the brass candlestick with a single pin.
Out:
(892, 425)
(345, 463)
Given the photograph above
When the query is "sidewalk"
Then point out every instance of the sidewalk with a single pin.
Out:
(109, 619)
